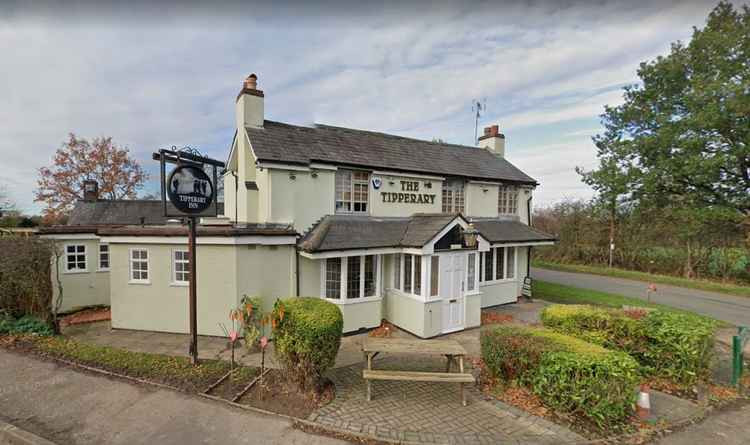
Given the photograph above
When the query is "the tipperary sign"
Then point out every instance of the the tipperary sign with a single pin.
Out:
(190, 189)
(409, 194)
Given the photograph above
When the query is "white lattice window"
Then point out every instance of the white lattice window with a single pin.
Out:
(139, 272)
(352, 278)
(180, 267)
(352, 188)
(453, 196)
(75, 258)
(103, 257)
(507, 200)
(499, 263)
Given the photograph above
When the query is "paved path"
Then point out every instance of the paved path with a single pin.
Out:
(729, 308)
(726, 428)
(72, 407)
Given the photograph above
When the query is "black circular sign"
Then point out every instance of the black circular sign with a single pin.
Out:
(189, 189)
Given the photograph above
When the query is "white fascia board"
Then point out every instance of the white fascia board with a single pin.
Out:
(318, 166)
(408, 175)
(484, 182)
(527, 243)
(347, 253)
(70, 236)
(279, 166)
(215, 240)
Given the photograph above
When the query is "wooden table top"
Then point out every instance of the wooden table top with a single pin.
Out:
(413, 346)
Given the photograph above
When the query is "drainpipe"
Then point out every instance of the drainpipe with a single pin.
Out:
(296, 267)
(236, 191)
(528, 254)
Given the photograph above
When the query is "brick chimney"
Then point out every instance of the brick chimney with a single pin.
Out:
(90, 191)
(493, 140)
(249, 106)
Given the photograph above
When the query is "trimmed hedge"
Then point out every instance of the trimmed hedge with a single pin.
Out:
(667, 344)
(307, 334)
(568, 374)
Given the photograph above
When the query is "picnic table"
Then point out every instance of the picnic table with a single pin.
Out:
(451, 349)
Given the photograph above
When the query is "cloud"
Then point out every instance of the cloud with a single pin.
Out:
(152, 75)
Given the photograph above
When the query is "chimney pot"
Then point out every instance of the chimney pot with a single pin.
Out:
(486, 130)
(251, 83)
(90, 190)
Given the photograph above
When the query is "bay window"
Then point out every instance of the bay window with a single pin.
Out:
(352, 188)
(499, 263)
(412, 273)
(350, 278)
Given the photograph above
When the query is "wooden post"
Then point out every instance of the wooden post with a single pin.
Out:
(193, 291)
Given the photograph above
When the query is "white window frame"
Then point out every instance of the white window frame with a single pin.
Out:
(495, 249)
(99, 267)
(175, 281)
(507, 200)
(424, 276)
(377, 275)
(352, 183)
(131, 280)
(477, 263)
(453, 186)
(76, 253)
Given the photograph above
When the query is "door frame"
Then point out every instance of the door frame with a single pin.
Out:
(450, 256)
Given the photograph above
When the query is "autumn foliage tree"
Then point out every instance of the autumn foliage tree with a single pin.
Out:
(118, 175)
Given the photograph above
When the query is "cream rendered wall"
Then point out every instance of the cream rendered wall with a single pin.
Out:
(522, 258)
(499, 293)
(81, 288)
(481, 203)
(523, 198)
(229, 196)
(163, 306)
(263, 213)
(380, 208)
(266, 272)
(473, 310)
(302, 200)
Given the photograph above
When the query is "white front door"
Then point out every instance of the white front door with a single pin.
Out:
(452, 273)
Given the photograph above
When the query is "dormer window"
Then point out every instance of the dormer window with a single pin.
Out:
(453, 196)
(507, 200)
(352, 191)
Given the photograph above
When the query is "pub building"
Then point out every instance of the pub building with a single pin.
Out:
(421, 234)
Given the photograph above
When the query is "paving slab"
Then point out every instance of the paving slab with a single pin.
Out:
(72, 407)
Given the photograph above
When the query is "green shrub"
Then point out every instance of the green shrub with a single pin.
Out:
(25, 325)
(307, 335)
(567, 373)
(667, 344)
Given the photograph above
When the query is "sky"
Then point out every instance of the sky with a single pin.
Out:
(157, 75)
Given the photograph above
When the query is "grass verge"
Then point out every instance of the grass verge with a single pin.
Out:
(713, 286)
(560, 293)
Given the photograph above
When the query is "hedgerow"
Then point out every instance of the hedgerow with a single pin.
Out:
(568, 374)
(307, 335)
(676, 346)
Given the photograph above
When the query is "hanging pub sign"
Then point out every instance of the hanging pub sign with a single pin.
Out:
(190, 189)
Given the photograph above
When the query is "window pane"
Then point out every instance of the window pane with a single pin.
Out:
(488, 264)
(181, 266)
(471, 271)
(417, 275)
(397, 271)
(511, 262)
(369, 275)
(353, 274)
(500, 254)
(407, 273)
(434, 274)
(333, 278)
(71, 249)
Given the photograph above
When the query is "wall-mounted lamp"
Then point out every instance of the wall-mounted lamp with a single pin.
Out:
(470, 236)
(428, 185)
(391, 183)
(485, 190)
(314, 174)
(292, 176)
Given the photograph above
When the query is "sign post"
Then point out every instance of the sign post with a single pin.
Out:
(192, 194)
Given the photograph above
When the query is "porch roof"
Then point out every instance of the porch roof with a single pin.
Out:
(348, 232)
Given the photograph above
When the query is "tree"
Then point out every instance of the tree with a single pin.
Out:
(5, 204)
(683, 134)
(118, 175)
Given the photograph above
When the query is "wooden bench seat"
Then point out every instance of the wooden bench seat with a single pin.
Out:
(417, 376)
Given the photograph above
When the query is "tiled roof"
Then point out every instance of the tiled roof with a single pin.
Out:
(122, 212)
(278, 142)
(178, 230)
(499, 230)
(342, 232)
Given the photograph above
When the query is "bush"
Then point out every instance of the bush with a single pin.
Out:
(25, 280)
(568, 374)
(24, 325)
(667, 344)
(307, 335)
